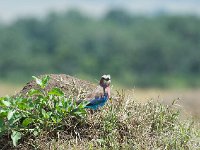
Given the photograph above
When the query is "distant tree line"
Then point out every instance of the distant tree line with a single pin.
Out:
(138, 51)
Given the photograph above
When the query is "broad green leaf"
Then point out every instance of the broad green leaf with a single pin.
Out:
(45, 81)
(49, 113)
(43, 112)
(59, 120)
(68, 109)
(77, 112)
(34, 92)
(1, 123)
(60, 104)
(15, 136)
(54, 119)
(56, 91)
(83, 104)
(3, 113)
(10, 114)
(27, 121)
(3, 127)
(38, 81)
(22, 106)
(6, 103)
(2, 98)
(45, 115)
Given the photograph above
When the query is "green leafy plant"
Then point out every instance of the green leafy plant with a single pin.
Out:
(38, 111)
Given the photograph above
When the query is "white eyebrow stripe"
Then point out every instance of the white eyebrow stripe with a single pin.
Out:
(106, 77)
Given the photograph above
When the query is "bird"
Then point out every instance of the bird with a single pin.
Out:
(101, 94)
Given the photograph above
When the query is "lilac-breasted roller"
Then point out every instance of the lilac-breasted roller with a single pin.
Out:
(100, 96)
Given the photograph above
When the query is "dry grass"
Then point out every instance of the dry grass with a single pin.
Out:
(130, 121)
(188, 99)
(124, 124)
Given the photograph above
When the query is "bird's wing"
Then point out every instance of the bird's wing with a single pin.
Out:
(96, 101)
(94, 97)
(98, 92)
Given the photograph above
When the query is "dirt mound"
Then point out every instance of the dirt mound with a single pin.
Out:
(68, 84)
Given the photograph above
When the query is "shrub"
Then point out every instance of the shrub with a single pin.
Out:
(39, 111)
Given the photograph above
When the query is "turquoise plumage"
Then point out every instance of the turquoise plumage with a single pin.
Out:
(97, 102)
(101, 95)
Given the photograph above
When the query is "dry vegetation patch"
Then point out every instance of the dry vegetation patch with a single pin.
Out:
(122, 124)
(68, 84)
(125, 124)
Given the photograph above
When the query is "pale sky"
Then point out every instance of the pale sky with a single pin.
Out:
(12, 9)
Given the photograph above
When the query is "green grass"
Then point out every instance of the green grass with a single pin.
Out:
(121, 124)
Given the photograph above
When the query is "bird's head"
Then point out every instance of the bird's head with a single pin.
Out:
(105, 81)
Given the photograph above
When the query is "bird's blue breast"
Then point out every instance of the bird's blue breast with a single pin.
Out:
(97, 102)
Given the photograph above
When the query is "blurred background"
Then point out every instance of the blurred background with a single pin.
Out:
(151, 46)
